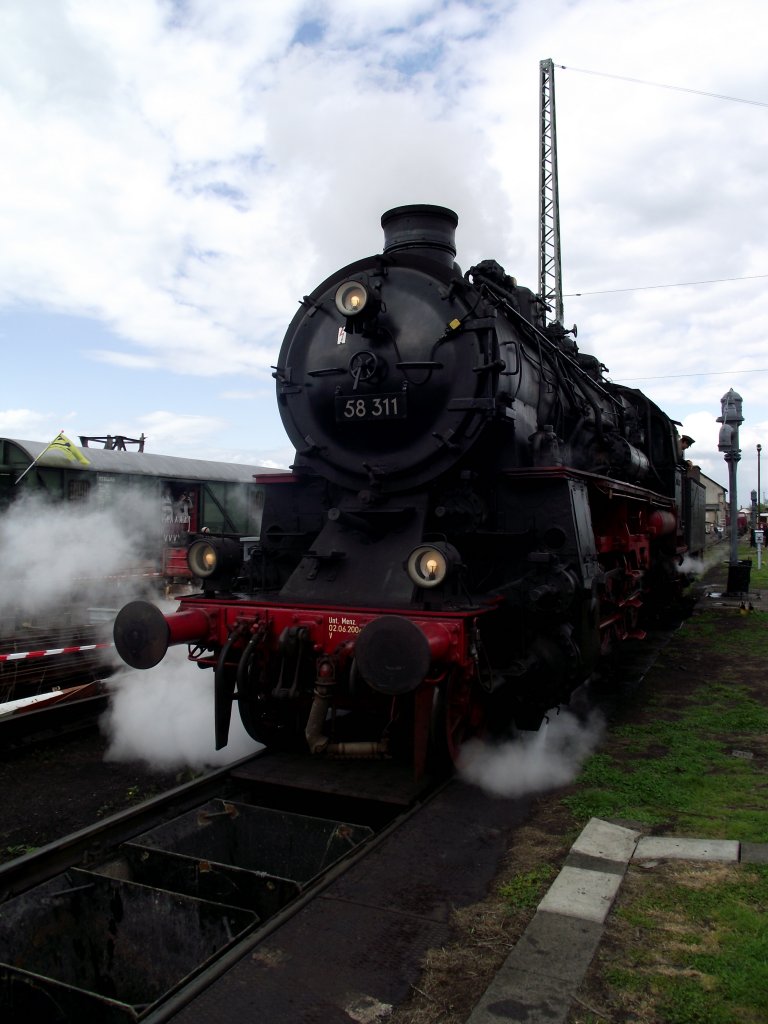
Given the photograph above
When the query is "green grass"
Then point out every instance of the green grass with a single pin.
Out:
(524, 891)
(10, 852)
(704, 952)
(682, 773)
(758, 578)
(745, 635)
(676, 767)
(691, 941)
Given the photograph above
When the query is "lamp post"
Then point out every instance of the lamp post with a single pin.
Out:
(759, 534)
(759, 493)
(728, 444)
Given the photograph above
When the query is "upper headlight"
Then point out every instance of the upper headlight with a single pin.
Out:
(351, 298)
(429, 564)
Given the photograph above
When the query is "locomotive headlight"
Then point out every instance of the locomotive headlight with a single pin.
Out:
(351, 298)
(202, 558)
(218, 556)
(429, 564)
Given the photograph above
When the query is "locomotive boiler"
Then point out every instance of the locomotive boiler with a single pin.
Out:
(475, 517)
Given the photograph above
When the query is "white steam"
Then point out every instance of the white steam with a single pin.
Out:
(53, 554)
(164, 716)
(691, 566)
(63, 560)
(533, 762)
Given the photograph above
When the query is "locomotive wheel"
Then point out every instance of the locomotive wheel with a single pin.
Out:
(459, 714)
(277, 723)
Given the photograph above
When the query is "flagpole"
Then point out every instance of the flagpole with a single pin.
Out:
(30, 466)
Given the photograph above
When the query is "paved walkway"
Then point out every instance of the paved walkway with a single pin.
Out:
(540, 977)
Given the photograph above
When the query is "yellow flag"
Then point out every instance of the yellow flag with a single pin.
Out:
(62, 444)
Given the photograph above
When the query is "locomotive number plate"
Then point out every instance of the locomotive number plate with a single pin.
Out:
(371, 407)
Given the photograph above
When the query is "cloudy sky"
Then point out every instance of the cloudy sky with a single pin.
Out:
(176, 174)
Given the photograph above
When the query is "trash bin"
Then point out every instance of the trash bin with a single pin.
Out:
(738, 576)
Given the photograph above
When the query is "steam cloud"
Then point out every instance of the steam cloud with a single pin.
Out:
(692, 566)
(533, 762)
(62, 559)
(164, 716)
(54, 552)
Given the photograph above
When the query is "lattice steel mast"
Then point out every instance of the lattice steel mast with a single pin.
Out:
(550, 270)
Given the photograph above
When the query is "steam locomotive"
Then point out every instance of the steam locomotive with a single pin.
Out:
(475, 518)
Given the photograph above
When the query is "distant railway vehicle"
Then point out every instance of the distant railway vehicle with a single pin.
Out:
(155, 502)
(174, 497)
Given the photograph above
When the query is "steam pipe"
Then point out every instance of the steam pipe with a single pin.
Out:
(318, 742)
(433, 643)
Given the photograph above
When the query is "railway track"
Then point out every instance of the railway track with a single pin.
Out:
(271, 883)
(109, 924)
(280, 888)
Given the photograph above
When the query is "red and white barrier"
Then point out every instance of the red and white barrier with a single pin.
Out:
(41, 700)
(20, 655)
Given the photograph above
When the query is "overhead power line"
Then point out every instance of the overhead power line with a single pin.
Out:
(661, 85)
(680, 284)
(677, 88)
(705, 373)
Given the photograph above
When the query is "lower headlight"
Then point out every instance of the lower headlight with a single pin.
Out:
(217, 556)
(202, 558)
(430, 564)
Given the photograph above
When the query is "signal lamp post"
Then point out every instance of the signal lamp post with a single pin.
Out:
(728, 444)
(759, 493)
(759, 533)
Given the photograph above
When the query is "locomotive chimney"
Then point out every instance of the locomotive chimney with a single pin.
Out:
(431, 228)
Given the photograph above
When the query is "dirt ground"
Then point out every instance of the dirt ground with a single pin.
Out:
(47, 794)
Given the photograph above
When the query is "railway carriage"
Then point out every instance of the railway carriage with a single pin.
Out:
(55, 631)
(172, 498)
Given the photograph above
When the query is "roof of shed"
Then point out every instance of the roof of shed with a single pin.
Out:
(103, 460)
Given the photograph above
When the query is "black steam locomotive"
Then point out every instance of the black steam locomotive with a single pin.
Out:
(474, 518)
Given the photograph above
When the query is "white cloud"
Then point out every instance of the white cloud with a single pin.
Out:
(184, 173)
(170, 429)
(21, 423)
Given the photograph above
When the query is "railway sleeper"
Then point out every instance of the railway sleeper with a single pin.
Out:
(107, 944)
